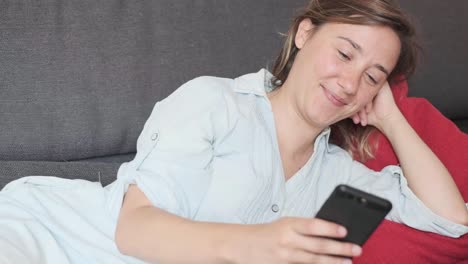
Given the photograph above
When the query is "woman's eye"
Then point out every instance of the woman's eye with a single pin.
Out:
(373, 81)
(344, 56)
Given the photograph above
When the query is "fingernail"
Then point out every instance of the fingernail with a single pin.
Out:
(347, 261)
(356, 250)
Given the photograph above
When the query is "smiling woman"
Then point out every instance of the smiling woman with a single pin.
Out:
(235, 170)
(331, 64)
(334, 69)
(378, 13)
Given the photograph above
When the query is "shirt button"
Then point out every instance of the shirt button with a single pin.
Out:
(154, 136)
(275, 208)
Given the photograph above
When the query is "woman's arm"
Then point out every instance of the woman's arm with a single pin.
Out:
(427, 176)
(154, 235)
(151, 234)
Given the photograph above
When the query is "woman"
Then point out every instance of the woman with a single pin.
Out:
(233, 171)
(335, 65)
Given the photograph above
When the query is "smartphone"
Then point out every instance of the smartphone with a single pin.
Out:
(360, 212)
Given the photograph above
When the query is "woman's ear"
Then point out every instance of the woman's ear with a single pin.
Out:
(303, 33)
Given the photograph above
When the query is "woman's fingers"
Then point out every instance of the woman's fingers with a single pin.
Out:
(315, 236)
(363, 117)
(319, 227)
(327, 246)
(355, 119)
(300, 256)
(305, 240)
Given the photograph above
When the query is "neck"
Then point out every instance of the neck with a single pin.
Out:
(295, 135)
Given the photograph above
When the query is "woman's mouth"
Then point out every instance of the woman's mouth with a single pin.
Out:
(333, 98)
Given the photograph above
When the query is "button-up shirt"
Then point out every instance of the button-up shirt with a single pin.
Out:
(209, 152)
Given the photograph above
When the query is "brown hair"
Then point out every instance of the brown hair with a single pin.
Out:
(362, 12)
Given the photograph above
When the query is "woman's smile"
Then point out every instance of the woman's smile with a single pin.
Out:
(333, 98)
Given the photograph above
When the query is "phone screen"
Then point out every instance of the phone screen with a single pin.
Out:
(358, 211)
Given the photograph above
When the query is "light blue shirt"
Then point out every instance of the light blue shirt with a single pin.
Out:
(209, 152)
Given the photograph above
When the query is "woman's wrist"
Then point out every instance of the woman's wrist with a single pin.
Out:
(232, 239)
(225, 249)
(392, 124)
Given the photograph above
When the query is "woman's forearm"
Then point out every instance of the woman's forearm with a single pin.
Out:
(427, 177)
(159, 237)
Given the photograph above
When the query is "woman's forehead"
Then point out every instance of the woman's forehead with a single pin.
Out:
(378, 42)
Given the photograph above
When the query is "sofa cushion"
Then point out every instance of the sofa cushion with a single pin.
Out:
(396, 243)
(441, 75)
(462, 124)
(79, 78)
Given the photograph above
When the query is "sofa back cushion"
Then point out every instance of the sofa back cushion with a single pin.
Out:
(441, 74)
(79, 78)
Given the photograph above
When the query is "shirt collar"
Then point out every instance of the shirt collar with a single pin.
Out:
(259, 83)
(323, 138)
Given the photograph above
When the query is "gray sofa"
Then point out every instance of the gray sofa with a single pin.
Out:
(79, 78)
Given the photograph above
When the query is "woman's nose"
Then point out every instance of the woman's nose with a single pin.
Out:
(349, 81)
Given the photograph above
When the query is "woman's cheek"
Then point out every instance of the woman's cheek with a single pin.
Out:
(326, 64)
(329, 67)
(370, 93)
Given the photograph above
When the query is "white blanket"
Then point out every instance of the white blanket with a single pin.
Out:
(54, 220)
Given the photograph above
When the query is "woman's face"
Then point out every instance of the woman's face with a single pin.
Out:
(339, 69)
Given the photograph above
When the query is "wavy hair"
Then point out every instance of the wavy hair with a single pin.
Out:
(353, 138)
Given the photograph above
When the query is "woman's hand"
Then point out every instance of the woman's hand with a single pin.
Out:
(380, 112)
(294, 240)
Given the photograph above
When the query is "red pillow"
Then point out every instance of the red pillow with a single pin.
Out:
(397, 243)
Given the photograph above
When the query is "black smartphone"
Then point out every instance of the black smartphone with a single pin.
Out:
(360, 212)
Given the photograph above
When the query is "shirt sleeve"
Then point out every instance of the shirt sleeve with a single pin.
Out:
(175, 148)
(390, 183)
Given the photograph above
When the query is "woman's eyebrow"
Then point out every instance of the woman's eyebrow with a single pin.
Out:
(354, 44)
(381, 68)
(359, 49)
